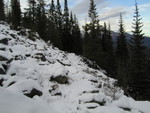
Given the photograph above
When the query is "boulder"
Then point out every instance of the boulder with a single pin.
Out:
(1, 82)
(3, 58)
(5, 67)
(3, 49)
(33, 93)
(101, 103)
(19, 57)
(4, 41)
(11, 83)
(60, 79)
(40, 56)
(2, 71)
(13, 36)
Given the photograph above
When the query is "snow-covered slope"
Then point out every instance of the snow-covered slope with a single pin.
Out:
(38, 78)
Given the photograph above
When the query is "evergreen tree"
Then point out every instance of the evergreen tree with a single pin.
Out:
(93, 18)
(104, 37)
(139, 82)
(86, 40)
(67, 41)
(59, 17)
(104, 63)
(32, 11)
(76, 36)
(16, 13)
(41, 19)
(110, 54)
(30, 16)
(122, 55)
(59, 23)
(52, 10)
(8, 13)
(93, 13)
(107, 50)
(53, 31)
(2, 12)
(92, 43)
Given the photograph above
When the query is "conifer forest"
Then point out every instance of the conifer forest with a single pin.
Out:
(123, 58)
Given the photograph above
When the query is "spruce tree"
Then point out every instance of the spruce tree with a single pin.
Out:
(93, 15)
(53, 31)
(52, 10)
(122, 55)
(92, 43)
(110, 54)
(59, 16)
(139, 82)
(67, 41)
(86, 40)
(32, 11)
(104, 37)
(41, 19)
(8, 13)
(76, 36)
(107, 50)
(59, 23)
(2, 12)
(16, 13)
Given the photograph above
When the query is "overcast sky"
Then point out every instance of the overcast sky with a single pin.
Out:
(109, 11)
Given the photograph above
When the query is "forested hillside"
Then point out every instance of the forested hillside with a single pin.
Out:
(46, 56)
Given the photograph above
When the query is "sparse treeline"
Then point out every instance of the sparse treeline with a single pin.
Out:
(123, 60)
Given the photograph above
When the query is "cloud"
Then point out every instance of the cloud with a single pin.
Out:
(110, 13)
(144, 6)
(83, 6)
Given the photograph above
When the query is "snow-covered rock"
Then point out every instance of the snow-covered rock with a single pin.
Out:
(55, 81)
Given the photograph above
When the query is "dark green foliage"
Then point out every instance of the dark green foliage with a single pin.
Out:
(53, 35)
(53, 28)
(30, 15)
(104, 39)
(76, 35)
(92, 37)
(107, 50)
(67, 40)
(32, 11)
(41, 19)
(139, 81)
(92, 12)
(59, 18)
(8, 13)
(122, 55)
(15, 14)
(110, 54)
(2, 10)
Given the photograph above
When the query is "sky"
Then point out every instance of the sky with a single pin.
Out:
(109, 11)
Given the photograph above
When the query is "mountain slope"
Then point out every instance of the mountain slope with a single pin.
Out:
(38, 73)
(128, 36)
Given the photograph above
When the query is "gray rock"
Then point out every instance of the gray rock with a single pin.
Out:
(60, 79)
(1, 82)
(2, 71)
(4, 41)
(33, 93)
(40, 56)
(3, 58)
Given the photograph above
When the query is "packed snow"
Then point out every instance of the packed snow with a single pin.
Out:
(39, 78)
